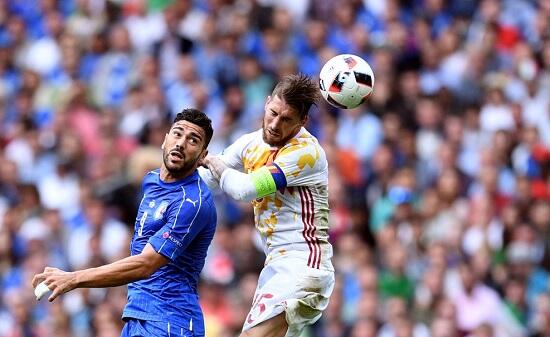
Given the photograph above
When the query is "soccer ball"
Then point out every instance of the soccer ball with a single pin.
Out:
(346, 81)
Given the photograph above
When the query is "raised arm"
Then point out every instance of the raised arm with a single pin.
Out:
(246, 187)
(297, 165)
(231, 157)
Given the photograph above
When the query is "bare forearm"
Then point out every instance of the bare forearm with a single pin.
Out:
(118, 273)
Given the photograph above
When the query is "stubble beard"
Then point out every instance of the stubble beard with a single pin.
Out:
(176, 170)
(280, 143)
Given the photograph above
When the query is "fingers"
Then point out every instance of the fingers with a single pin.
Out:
(42, 276)
(59, 288)
(203, 163)
(37, 279)
(48, 277)
(53, 285)
(56, 291)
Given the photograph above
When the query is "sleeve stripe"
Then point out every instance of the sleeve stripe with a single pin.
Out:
(196, 214)
(162, 246)
(179, 209)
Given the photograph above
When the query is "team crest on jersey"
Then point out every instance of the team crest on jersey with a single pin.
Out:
(159, 212)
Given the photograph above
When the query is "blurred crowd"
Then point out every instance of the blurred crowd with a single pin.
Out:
(439, 184)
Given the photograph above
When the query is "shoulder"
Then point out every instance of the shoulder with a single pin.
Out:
(302, 146)
(152, 174)
(201, 201)
(151, 177)
(198, 194)
(249, 138)
(193, 199)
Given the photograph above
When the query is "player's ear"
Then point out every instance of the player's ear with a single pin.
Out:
(267, 102)
(201, 158)
(305, 119)
(164, 142)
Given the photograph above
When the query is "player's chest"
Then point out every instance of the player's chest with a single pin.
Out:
(151, 215)
(258, 156)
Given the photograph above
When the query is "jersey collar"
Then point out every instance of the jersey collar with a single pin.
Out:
(193, 177)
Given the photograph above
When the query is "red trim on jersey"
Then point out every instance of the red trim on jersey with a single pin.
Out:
(315, 239)
(311, 219)
(305, 232)
(308, 213)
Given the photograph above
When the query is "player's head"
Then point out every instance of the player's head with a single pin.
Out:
(186, 142)
(286, 110)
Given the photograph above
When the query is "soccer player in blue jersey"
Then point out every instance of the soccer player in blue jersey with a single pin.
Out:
(174, 226)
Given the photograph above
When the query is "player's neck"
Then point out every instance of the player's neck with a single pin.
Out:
(170, 177)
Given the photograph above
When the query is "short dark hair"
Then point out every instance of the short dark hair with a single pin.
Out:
(298, 91)
(198, 118)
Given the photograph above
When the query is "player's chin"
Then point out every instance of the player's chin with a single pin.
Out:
(273, 140)
(175, 167)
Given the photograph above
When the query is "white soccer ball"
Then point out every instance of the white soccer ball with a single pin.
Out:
(346, 81)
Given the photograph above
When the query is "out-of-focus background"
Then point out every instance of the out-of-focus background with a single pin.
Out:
(439, 184)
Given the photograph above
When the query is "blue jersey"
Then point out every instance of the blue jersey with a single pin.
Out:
(178, 219)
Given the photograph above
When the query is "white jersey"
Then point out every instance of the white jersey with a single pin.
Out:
(294, 220)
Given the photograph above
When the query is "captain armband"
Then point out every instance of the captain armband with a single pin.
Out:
(267, 180)
(258, 184)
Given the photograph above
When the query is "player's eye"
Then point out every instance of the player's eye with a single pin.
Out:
(273, 113)
(193, 141)
(177, 133)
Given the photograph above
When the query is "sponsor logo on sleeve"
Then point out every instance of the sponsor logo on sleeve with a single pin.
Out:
(167, 236)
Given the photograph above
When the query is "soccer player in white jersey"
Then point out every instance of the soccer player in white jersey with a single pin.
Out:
(283, 171)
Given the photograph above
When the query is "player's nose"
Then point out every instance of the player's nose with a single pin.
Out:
(180, 144)
(275, 124)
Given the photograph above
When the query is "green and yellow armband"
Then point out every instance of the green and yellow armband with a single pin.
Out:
(263, 182)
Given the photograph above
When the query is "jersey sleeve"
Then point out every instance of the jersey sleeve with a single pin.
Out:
(185, 219)
(233, 155)
(303, 164)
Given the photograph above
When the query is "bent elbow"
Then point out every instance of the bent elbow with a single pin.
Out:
(148, 272)
(143, 273)
(145, 269)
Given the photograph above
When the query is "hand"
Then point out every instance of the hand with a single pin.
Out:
(57, 280)
(215, 165)
(204, 162)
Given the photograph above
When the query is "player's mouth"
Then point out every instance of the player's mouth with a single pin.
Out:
(273, 133)
(176, 155)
